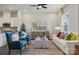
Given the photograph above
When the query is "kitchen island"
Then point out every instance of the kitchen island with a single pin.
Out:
(2, 39)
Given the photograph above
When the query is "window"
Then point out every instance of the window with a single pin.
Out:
(66, 23)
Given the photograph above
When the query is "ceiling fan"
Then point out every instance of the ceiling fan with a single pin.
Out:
(39, 6)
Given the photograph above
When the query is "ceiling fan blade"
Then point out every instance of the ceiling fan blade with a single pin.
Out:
(44, 7)
(34, 5)
(41, 4)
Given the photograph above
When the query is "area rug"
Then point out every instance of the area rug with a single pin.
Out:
(52, 50)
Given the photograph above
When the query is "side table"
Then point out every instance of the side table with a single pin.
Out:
(77, 49)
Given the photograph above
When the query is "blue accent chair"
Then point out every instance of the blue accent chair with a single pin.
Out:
(28, 37)
(12, 45)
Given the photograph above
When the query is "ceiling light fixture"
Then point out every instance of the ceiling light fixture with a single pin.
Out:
(39, 6)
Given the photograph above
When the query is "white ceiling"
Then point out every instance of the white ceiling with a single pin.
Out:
(51, 8)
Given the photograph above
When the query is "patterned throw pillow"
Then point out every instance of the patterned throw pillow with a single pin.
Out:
(74, 37)
(15, 37)
(61, 36)
(23, 34)
(69, 36)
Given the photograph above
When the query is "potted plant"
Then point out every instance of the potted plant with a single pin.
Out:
(23, 27)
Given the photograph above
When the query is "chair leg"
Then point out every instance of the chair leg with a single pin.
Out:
(9, 51)
(25, 46)
(20, 52)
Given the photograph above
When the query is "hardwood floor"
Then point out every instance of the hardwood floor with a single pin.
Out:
(52, 50)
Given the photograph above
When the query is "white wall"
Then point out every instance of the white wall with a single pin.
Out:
(52, 20)
(73, 17)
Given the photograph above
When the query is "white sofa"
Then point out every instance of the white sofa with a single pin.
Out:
(68, 47)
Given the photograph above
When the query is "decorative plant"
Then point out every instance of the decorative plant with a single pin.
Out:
(23, 27)
(69, 36)
(34, 26)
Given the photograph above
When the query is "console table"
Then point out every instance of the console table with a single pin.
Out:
(40, 33)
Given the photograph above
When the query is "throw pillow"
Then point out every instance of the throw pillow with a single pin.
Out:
(15, 37)
(45, 38)
(38, 38)
(74, 37)
(69, 36)
(61, 36)
(23, 34)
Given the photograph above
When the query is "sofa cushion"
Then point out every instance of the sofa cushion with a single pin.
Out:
(74, 37)
(60, 41)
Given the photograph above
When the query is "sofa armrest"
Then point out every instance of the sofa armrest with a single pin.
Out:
(71, 45)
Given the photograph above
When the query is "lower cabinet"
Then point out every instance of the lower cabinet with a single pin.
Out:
(2, 39)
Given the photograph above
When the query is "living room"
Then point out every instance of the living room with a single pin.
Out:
(39, 21)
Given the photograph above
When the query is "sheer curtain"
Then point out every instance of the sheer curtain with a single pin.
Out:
(65, 23)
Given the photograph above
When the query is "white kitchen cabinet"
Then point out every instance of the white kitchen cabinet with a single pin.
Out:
(2, 39)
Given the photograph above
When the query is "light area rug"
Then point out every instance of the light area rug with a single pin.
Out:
(30, 50)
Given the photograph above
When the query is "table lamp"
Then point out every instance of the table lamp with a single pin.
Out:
(57, 28)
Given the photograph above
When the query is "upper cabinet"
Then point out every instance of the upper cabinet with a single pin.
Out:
(9, 17)
(13, 14)
(1, 14)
